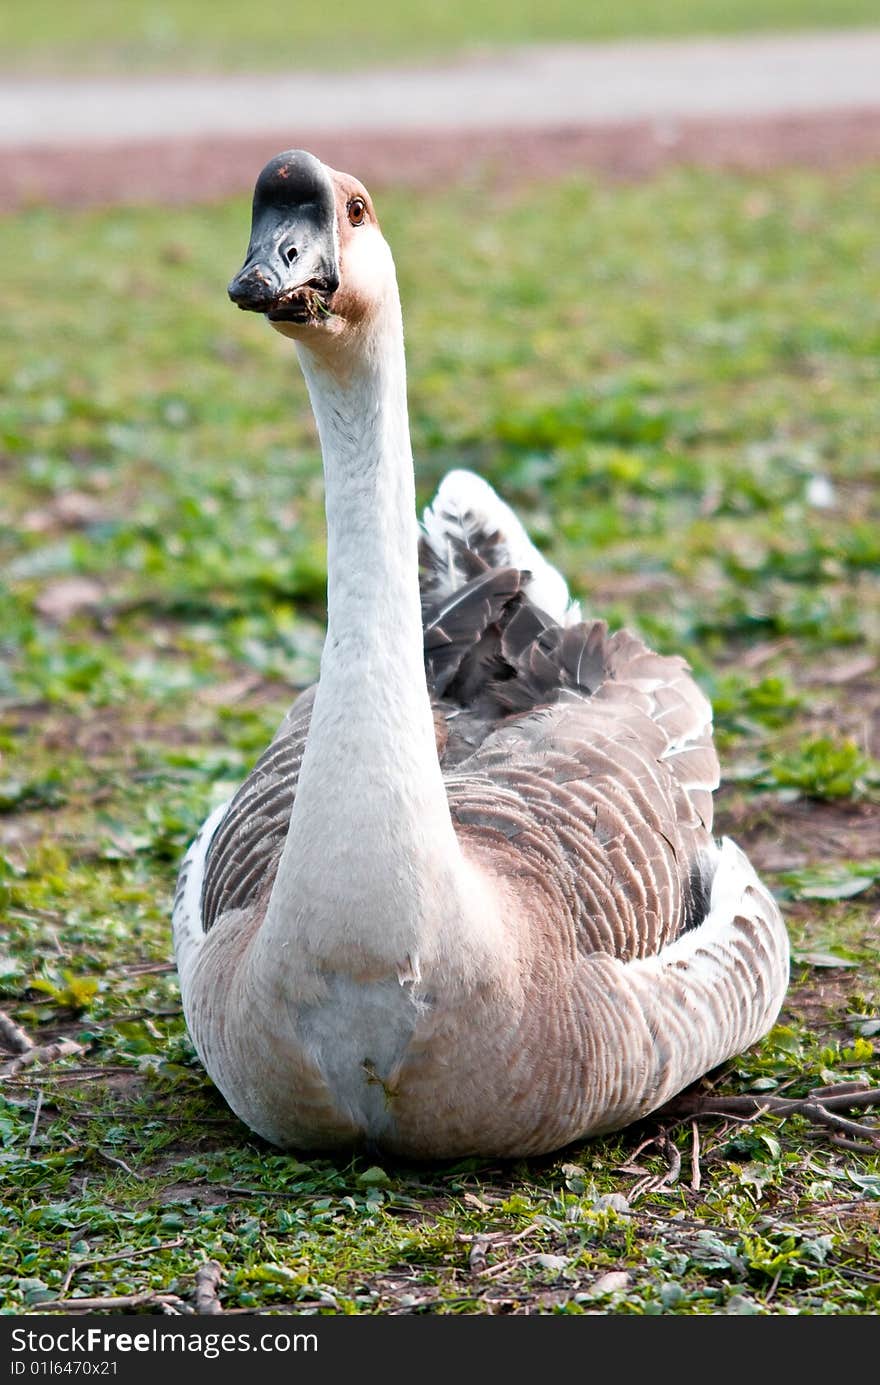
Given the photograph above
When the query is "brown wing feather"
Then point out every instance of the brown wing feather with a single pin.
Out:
(585, 757)
(581, 795)
(462, 633)
(244, 853)
(245, 850)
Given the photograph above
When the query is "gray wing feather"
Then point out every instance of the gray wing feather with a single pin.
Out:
(246, 847)
(585, 755)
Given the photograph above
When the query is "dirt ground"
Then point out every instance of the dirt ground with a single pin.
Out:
(202, 170)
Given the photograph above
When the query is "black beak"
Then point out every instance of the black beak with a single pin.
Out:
(292, 254)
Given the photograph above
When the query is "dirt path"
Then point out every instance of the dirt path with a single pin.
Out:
(528, 88)
(623, 108)
(202, 170)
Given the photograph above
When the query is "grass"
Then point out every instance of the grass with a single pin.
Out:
(676, 384)
(98, 35)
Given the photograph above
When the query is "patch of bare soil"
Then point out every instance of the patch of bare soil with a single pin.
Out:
(789, 836)
(202, 169)
(822, 1002)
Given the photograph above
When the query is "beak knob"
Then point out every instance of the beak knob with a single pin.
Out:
(254, 288)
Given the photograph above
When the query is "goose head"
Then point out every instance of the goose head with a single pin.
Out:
(317, 266)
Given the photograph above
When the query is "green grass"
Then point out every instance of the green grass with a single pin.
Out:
(664, 379)
(100, 34)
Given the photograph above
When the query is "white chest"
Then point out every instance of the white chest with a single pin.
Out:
(358, 1035)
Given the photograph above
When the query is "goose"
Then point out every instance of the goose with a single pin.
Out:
(468, 902)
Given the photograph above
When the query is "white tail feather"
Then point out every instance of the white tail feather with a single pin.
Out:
(465, 502)
(740, 950)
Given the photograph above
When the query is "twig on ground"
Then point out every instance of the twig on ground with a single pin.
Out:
(857, 1146)
(78, 1265)
(679, 1222)
(146, 968)
(669, 1149)
(248, 1192)
(132, 1016)
(32, 912)
(33, 1135)
(650, 1182)
(774, 1286)
(72, 1075)
(120, 1163)
(819, 1106)
(696, 1177)
(646, 1144)
(761, 653)
(838, 1090)
(12, 1036)
(484, 1241)
(507, 1265)
(209, 1277)
(818, 1112)
(499, 1237)
(301, 1305)
(46, 1053)
(150, 1298)
(858, 1275)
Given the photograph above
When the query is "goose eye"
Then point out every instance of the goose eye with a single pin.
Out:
(357, 211)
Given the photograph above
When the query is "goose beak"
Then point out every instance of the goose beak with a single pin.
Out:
(291, 269)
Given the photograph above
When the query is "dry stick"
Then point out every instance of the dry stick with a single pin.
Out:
(646, 1144)
(654, 1182)
(53, 915)
(493, 1238)
(77, 1265)
(840, 1096)
(70, 1077)
(132, 1016)
(631, 1166)
(649, 1184)
(818, 1112)
(696, 1178)
(296, 1307)
(169, 1302)
(33, 915)
(12, 1036)
(671, 1153)
(120, 1163)
(858, 1146)
(679, 1222)
(818, 1106)
(147, 968)
(33, 1135)
(840, 1089)
(209, 1277)
(490, 1240)
(507, 1265)
(250, 1192)
(46, 1053)
(729, 1117)
(856, 1274)
(774, 1286)
(848, 1205)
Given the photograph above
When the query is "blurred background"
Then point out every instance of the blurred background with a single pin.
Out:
(640, 268)
(192, 35)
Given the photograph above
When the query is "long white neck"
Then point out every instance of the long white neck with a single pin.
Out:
(371, 855)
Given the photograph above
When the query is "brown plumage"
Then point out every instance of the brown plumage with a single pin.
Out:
(543, 753)
(469, 900)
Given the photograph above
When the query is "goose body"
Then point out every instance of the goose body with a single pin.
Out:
(469, 900)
